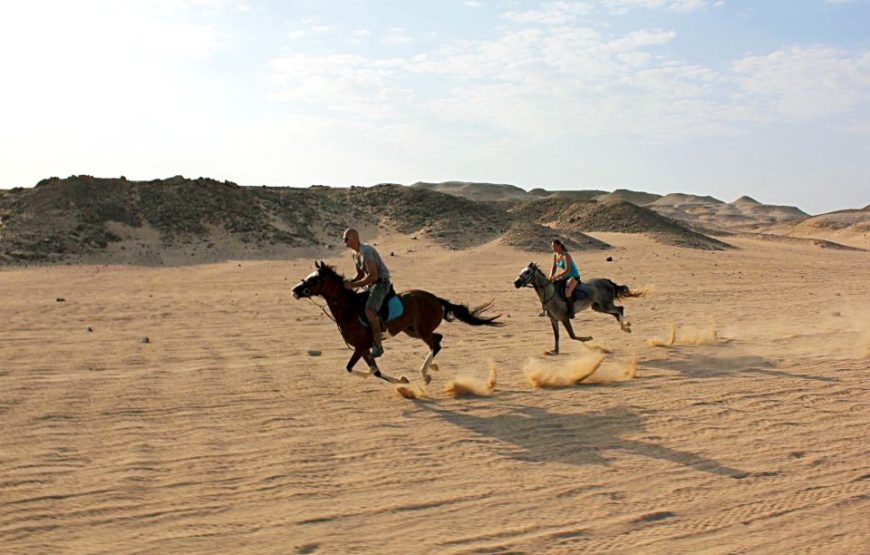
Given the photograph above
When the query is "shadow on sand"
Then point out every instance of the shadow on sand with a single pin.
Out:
(696, 365)
(579, 439)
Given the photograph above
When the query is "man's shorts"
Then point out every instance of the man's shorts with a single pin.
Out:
(377, 294)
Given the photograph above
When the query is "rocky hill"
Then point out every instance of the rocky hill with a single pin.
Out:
(699, 212)
(180, 220)
(87, 218)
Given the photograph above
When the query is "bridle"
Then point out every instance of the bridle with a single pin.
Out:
(307, 295)
(531, 282)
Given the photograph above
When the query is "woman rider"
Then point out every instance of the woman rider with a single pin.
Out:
(564, 268)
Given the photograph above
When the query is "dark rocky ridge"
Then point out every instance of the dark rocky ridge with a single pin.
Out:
(83, 217)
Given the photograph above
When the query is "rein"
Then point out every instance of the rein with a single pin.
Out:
(331, 317)
(535, 286)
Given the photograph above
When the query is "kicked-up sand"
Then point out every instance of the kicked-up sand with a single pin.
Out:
(234, 427)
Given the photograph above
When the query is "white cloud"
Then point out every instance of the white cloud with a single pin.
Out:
(537, 84)
(623, 6)
(554, 13)
(397, 35)
(350, 85)
(805, 82)
(308, 27)
(568, 13)
(359, 36)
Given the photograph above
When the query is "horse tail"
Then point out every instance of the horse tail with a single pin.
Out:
(472, 316)
(623, 292)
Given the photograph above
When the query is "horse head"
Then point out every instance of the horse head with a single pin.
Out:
(526, 276)
(324, 281)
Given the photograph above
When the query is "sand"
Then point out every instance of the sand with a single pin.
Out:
(222, 434)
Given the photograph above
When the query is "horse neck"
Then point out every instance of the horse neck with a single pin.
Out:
(340, 304)
(542, 288)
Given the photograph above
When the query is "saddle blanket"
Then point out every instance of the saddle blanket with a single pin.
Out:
(580, 292)
(390, 310)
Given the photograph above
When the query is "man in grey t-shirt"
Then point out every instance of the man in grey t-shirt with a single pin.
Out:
(371, 273)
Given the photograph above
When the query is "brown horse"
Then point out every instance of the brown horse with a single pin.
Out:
(423, 313)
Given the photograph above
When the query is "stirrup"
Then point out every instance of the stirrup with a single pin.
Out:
(377, 351)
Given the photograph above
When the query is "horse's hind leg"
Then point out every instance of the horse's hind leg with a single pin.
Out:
(433, 340)
(376, 372)
(615, 311)
(623, 324)
(438, 337)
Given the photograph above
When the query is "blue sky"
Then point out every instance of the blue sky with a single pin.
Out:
(721, 97)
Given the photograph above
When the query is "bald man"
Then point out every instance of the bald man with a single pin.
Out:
(372, 274)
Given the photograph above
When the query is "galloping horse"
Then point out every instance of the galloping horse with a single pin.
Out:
(601, 294)
(423, 313)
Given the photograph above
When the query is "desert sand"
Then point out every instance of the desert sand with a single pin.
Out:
(747, 432)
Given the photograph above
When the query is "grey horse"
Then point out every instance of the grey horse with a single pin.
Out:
(600, 296)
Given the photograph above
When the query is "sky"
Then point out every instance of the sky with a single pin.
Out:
(769, 98)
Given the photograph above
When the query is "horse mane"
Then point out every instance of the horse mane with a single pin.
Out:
(328, 271)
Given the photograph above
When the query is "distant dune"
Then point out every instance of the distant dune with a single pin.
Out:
(635, 197)
(682, 199)
(475, 191)
(534, 237)
(851, 227)
(701, 211)
(744, 214)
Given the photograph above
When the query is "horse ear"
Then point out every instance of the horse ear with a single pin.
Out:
(317, 264)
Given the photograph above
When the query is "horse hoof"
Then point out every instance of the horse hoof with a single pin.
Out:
(551, 353)
(404, 380)
(427, 379)
(434, 367)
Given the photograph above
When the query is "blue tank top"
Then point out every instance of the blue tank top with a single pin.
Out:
(573, 273)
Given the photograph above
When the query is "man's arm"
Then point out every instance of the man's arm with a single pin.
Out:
(371, 276)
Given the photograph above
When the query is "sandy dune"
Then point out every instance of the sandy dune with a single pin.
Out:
(222, 434)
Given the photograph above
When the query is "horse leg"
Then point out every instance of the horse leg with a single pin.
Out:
(354, 358)
(620, 317)
(433, 340)
(438, 337)
(424, 370)
(376, 372)
(616, 312)
(555, 324)
(570, 330)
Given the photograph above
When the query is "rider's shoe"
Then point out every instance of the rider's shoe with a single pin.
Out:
(377, 351)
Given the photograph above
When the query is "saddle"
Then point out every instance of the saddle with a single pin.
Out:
(580, 291)
(391, 308)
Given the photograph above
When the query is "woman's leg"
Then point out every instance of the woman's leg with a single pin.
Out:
(569, 292)
(571, 285)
